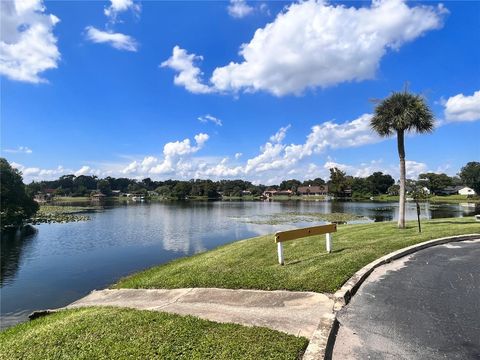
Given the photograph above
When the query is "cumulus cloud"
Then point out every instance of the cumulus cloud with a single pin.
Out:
(173, 158)
(36, 173)
(210, 118)
(118, 6)
(315, 44)
(189, 75)
(19, 150)
(414, 168)
(275, 155)
(361, 170)
(279, 135)
(117, 40)
(239, 9)
(28, 46)
(275, 160)
(364, 169)
(84, 170)
(463, 107)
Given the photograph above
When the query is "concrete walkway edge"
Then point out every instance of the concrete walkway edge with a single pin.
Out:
(321, 344)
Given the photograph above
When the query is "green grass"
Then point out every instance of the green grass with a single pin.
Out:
(115, 333)
(252, 263)
(454, 199)
(433, 198)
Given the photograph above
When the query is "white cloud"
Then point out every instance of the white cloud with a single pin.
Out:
(275, 155)
(35, 173)
(118, 6)
(188, 75)
(363, 169)
(315, 44)
(84, 170)
(173, 158)
(210, 118)
(117, 40)
(279, 135)
(238, 155)
(19, 150)
(27, 44)
(414, 168)
(463, 107)
(239, 9)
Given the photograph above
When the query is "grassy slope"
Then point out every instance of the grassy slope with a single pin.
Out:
(252, 263)
(434, 199)
(113, 333)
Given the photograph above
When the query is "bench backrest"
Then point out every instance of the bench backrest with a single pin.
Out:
(281, 236)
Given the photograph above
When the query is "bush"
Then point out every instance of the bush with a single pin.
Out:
(16, 205)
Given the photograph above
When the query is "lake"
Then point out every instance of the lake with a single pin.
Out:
(59, 263)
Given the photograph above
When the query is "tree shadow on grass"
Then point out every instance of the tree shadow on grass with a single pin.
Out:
(318, 256)
(456, 222)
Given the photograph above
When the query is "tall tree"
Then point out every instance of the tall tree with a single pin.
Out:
(400, 113)
(470, 175)
(338, 182)
(16, 205)
(435, 182)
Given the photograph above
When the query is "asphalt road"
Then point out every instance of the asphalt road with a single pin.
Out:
(425, 306)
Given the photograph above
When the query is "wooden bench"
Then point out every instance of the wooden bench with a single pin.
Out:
(282, 236)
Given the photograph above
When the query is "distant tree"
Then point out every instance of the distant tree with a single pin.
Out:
(314, 182)
(338, 182)
(104, 187)
(85, 182)
(181, 190)
(394, 190)
(361, 187)
(16, 205)
(380, 182)
(435, 182)
(66, 183)
(400, 113)
(148, 184)
(292, 184)
(470, 175)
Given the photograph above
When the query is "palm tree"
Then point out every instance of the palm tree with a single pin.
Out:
(402, 112)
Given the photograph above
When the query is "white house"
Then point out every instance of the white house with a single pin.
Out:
(466, 191)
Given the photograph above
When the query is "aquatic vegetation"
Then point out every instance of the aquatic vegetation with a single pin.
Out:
(62, 214)
(297, 217)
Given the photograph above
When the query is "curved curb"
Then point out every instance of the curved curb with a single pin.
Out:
(321, 344)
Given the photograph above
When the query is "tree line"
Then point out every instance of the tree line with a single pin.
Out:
(339, 184)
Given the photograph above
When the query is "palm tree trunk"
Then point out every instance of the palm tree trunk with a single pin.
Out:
(401, 203)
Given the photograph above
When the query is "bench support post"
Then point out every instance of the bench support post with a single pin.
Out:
(329, 242)
(280, 253)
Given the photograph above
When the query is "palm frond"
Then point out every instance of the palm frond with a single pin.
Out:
(402, 111)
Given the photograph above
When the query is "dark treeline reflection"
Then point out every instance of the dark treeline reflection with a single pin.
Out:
(13, 245)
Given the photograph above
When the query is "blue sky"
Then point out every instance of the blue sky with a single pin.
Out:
(167, 90)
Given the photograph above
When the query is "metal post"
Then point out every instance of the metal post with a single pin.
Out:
(280, 253)
(418, 217)
(329, 242)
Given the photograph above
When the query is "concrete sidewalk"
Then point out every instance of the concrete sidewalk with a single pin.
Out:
(296, 313)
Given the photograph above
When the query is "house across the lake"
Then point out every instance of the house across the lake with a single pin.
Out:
(459, 189)
(466, 191)
(313, 190)
(272, 193)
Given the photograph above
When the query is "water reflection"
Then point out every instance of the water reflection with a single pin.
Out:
(13, 246)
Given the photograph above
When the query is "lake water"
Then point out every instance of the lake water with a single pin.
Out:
(60, 263)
